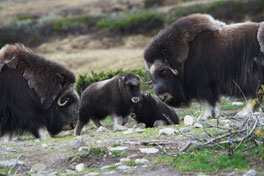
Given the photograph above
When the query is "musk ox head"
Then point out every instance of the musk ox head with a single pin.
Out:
(129, 85)
(168, 53)
(43, 95)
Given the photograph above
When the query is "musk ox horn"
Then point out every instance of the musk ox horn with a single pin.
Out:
(135, 99)
(64, 103)
(133, 115)
(174, 71)
(148, 82)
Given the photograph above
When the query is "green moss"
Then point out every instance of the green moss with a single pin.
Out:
(25, 17)
(118, 153)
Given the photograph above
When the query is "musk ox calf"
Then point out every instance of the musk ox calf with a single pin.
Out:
(153, 112)
(110, 97)
(36, 95)
(198, 57)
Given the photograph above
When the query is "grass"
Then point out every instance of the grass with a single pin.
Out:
(209, 160)
(97, 151)
(25, 17)
(130, 163)
(226, 107)
(118, 153)
(66, 138)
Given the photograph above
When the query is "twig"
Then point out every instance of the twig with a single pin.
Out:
(10, 171)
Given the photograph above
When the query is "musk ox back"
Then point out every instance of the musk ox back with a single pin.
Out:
(113, 97)
(36, 95)
(198, 57)
(153, 112)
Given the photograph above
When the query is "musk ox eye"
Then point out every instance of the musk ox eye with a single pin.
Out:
(162, 72)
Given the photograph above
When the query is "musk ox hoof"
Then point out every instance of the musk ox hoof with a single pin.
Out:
(139, 125)
(246, 110)
(159, 123)
(119, 128)
(101, 129)
(44, 134)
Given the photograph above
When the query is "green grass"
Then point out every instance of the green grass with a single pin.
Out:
(97, 151)
(130, 163)
(25, 17)
(128, 20)
(116, 144)
(5, 171)
(231, 107)
(118, 153)
(209, 160)
(57, 139)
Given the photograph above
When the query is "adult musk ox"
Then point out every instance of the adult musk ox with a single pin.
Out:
(113, 97)
(36, 95)
(198, 57)
(153, 112)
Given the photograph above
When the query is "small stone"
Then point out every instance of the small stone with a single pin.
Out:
(92, 174)
(10, 149)
(149, 150)
(37, 140)
(133, 156)
(53, 174)
(185, 129)
(38, 167)
(129, 131)
(78, 143)
(110, 172)
(167, 131)
(189, 120)
(251, 172)
(144, 166)
(225, 121)
(119, 148)
(101, 129)
(198, 125)
(11, 163)
(139, 130)
(237, 103)
(83, 149)
(99, 142)
(123, 167)
(79, 167)
(44, 146)
(231, 174)
(141, 161)
(122, 160)
(106, 167)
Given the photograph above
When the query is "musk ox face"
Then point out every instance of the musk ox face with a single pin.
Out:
(167, 84)
(129, 84)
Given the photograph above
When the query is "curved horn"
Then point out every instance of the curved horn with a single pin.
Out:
(174, 71)
(133, 115)
(135, 99)
(148, 82)
(62, 104)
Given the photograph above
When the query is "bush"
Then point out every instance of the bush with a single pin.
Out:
(84, 80)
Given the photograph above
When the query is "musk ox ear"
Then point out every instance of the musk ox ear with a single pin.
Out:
(187, 29)
(260, 37)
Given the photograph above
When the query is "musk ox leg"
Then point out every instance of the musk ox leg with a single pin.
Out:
(117, 124)
(159, 123)
(8, 137)
(97, 123)
(208, 111)
(78, 128)
(246, 110)
(43, 133)
(124, 120)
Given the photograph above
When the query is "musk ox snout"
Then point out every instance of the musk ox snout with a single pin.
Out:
(166, 97)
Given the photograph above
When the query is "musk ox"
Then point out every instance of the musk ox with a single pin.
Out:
(36, 95)
(198, 57)
(153, 112)
(113, 97)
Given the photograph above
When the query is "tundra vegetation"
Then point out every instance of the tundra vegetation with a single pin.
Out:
(74, 35)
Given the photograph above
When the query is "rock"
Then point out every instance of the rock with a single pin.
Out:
(123, 167)
(225, 121)
(38, 167)
(53, 174)
(11, 163)
(9, 149)
(141, 161)
(167, 131)
(37, 140)
(44, 146)
(78, 143)
(110, 172)
(198, 125)
(185, 129)
(101, 129)
(189, 120)
(139, 130)
(83, 149)
(122, 160)
(106, 167)
(232, 173)
(237, 103)
(119, 148)
(92, 174)
(99, 142)
(251, 172)
(79, 167)
(144, 166)
(149, 150)
(129, 131)
(133, 156)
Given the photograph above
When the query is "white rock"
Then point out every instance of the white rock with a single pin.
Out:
(79, 167)
(189, 120)
(119, 148)
(167, 131)
(144, 166)
(133, 156)
(129, 131)
(53, 174)
(11, 163)
(232, 173)
(92, 174)
(44, 145)
(123, 167)
(225, 121)
(106, 167)
(110, 172)
(85, 149)
(99, 142)
(237, 103)
(38, 167)
(185, 129)
(139, 130)
(141, 161)
(78, 143)
(101, 129)
(198, 125)
(122, 160)
(149, 150)
(251, 172)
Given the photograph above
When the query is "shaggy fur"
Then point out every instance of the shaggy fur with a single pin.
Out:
(212, 59)
(109, 97)
(150, 110)
(29, 89)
